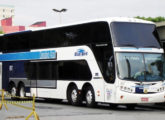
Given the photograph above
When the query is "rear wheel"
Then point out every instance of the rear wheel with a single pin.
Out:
(113, 106)
(73, 96)
(21, 91)
(53, 100)
(90, 97)
(12, 91)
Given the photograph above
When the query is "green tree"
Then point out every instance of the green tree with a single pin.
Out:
(153, 19)
(1, 32)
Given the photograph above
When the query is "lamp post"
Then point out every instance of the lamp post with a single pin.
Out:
(60, 11)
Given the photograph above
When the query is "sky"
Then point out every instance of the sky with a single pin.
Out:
(28, 12)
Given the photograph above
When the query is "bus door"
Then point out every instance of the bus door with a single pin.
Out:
(110, 80)
(31, 73)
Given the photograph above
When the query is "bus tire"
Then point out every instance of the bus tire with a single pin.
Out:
(13, 91)
(57, 100)
(90, 97)
(73, 96)
(131, 106)
(53, 100)
(21, 91)
(113, 106)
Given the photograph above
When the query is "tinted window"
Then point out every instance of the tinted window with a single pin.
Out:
(16, 42)
(31, 70)
(1, 43)
(105, 58)
(41, 70)
(134, 35)
(97, 32)
(62, 70)
(44, 70)
(72, 35)
(74, 70)
(88, 33)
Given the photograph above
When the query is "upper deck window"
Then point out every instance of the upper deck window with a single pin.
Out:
(73, 35)
(139, 35)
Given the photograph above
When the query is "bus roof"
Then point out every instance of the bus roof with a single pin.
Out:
(19, 32)
(108, 19)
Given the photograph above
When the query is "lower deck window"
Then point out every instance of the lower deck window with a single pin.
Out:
(74, 70)
(58, 70)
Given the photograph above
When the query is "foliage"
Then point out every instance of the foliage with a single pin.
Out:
(1, 32)
(155, 19)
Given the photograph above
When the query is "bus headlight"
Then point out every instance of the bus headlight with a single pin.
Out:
(126, 89)
(162, 89)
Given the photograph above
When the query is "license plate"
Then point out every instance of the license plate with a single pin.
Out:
(144, 99)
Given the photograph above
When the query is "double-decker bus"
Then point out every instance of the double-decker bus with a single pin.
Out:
(111, 60)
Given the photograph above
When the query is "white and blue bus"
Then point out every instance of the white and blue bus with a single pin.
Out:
(111, 60)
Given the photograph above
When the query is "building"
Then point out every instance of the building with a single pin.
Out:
(39, 24)
(161, 31)
(36, 25)
(10, 29)
(7, 26)
(6, 21)
(6, 11)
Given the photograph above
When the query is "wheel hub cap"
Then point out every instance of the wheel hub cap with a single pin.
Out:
(13, 91)
(22, 92)
(89, 97)
(74, 95)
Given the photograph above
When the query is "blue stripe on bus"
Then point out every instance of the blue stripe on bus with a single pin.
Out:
(51, 54)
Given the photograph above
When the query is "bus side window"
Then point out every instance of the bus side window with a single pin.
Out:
(110, 71)
(103, 53)
(30, 70)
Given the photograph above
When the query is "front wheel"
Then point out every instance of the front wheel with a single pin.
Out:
(90, 97)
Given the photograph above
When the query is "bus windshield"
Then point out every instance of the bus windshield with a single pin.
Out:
(137, 35)
(140, 66)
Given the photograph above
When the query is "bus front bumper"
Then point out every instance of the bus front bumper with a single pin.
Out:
(124, 97)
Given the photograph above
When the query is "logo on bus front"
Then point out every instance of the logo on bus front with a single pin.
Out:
(81, 52)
